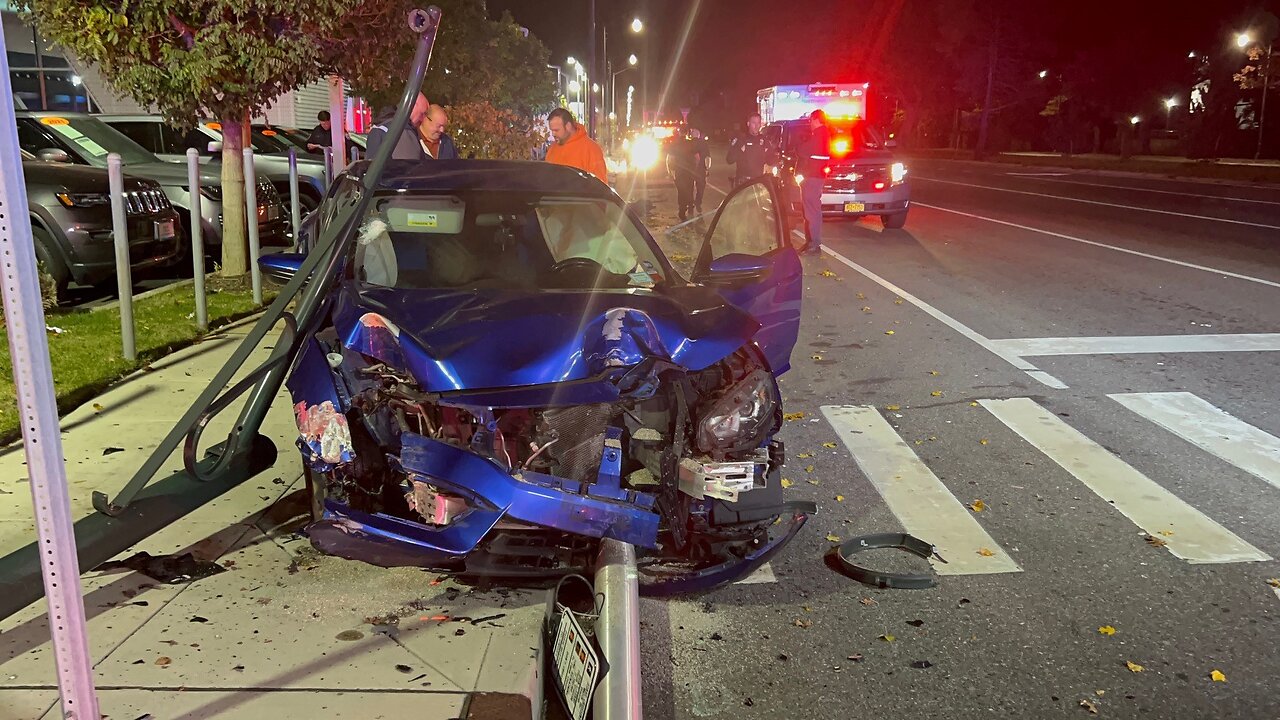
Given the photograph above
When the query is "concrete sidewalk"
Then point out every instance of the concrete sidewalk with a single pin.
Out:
(283, 632)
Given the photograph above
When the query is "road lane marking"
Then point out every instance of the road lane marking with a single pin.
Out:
(1019, 363)
(1193, 537)
(1072, 238)
(1138, 344)
(1037, 174)
(915, 495)
(1163, 192)
(1105, 204)
(762, 574)
(1210, 429)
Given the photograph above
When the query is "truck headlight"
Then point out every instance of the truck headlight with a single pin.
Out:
(644, 153)
(897, 172)
(799, 179)
(741, 417)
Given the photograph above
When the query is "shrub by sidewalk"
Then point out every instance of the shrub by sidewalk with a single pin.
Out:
(86, 355)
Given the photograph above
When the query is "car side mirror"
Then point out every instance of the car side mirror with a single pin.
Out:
(53, 155)
(281, 267)
(736, 267)
(215, 147)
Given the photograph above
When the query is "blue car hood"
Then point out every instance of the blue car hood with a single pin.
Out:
(492, 339)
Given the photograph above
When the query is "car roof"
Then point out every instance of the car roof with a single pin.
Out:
(490, 175)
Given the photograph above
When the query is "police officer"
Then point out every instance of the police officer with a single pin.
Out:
(746, 152)
(812, 163)
(684, 165)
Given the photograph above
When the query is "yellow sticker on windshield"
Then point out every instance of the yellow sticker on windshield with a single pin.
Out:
(427, 220)
(54, 121)
(269, 133)
(213, 125)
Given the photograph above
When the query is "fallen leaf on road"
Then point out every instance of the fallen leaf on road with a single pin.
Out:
(892, 407)
(1107, 630)
(802, 623)
(887, 638)
(1217, 676)
(813, 482)
(112, 451)
(839, 498)
(1133, 666)
(1274, 582)
(793, 416)
(833, 538)
(162, 661)
(977, 506)
(806, 608)
(827, 273)
(856, 657)
(786, 483)
(866, 308)
(922, 664)
(983, 441)
(1166, 533)
(897, 301)
(888, 332)
(805, 455)
(1093, 709)
(97, 407)
(680, 257)
(1155, 541)
(867, 601)
(808, 468)
(919, 442)
(828, 445)
(973, 404)
(861, 296)
(984, 552)
(1099, 693)
(936, 393)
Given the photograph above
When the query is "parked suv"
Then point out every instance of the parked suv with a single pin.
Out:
(861, 178)
(270, 161)
(71, 221)
(85, 140)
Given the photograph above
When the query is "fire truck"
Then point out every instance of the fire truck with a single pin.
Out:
(862, 176)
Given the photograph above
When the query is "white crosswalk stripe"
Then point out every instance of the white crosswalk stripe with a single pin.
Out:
(916, 496)
(1212, 430)
(1188, 533)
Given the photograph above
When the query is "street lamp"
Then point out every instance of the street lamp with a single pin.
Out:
(1044, 74)
(636, 25)
(1243, 40)
(571, 61)
(1169, 105)
(632, 60)
(1135, 120)
(1192, 54)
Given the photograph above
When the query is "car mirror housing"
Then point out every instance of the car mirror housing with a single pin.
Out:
(215, 147)
(53, 155)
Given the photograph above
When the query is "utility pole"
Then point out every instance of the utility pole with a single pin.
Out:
(1262, 114)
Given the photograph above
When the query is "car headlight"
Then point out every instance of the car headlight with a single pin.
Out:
(84, 200)
(741, 417)
(644, 153)
(897, 172)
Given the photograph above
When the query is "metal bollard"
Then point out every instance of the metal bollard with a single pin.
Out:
(197, 239)
(295, 203)
(124, 276)
(251, 216)
(618, 632)
(328, 168)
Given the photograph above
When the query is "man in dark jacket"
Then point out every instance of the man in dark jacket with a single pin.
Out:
(812, 164)
(703, 152)
(321, 135)
(746, 152)
(435, 140)
(408, 146)
(684, 165)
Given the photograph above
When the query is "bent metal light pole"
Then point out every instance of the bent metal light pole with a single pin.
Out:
(42, 441)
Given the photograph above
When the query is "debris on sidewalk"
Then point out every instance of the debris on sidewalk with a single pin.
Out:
(172, 569)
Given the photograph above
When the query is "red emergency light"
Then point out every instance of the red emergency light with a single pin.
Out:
(839, 147)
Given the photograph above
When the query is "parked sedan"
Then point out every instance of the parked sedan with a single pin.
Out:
(71, 222)
(80, 139)
(271, 158)
(510, 369)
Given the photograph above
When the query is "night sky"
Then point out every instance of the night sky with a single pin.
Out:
(734, 47)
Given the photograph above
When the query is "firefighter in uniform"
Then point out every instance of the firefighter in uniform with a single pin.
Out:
(746, 153)
(813, 160)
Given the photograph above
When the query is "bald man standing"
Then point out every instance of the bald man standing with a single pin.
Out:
(435, 141)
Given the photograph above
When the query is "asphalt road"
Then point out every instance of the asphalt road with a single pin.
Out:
(1094, 358)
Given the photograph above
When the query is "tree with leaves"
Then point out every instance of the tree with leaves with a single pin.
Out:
(220, 59)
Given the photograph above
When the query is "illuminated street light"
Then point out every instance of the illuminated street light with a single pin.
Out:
(571, 61)
(1191, 54)
(1135, 120)
(636, 25)
(575, 86)
(1171, 103)
(613, 116)
(595, 87)
(1243, 39)
(1044, 74)
(633, 59)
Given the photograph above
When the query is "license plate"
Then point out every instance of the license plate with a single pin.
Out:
(577, 666)
(851, 207)
(165, 230)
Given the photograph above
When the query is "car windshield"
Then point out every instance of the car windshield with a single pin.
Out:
(91, 140)
(269, 141)
(295, 137)
(503, 240)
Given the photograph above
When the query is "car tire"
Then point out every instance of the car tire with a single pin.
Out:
(53, 264)
(896, 221)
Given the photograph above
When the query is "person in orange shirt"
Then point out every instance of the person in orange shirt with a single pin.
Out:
(573, 147)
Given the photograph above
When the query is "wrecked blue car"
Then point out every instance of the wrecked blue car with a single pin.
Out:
(509, 369)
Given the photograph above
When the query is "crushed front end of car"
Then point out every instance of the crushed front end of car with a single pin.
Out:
(501, 434)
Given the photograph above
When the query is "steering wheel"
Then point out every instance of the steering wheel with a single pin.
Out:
(579, 264)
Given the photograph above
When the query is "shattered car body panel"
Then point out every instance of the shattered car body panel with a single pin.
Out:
(519, 369)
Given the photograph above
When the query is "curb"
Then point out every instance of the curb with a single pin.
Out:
(150, 293)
